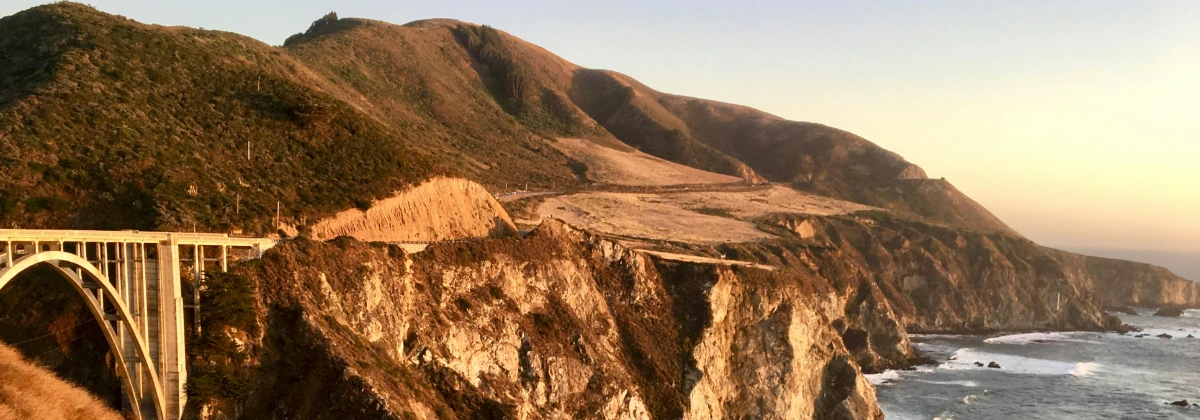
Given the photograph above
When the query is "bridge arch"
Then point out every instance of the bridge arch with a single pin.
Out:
(94, 304)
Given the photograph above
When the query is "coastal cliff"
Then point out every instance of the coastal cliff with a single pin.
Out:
(561, 324)
(1127, 283)
(358, 125)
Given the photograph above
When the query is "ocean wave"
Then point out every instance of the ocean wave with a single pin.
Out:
(1191, 313)
(1029, 338)
(882, 378)
(966, 358)
(969, 384)
(937, 335)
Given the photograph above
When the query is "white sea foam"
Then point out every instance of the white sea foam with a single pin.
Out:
(1191, 313)
(966, 358)
(925, 336)
(971, 384)
(1083, 369)
(925, 368)
(1029, 338)
(882, 378)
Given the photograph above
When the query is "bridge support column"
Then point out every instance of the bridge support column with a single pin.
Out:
(172, 355)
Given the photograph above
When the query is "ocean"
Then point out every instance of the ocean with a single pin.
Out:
(1070, 375)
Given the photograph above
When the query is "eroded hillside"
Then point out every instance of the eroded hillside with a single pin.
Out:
(436, 210)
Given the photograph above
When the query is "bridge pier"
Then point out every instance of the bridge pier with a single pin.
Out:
(131, 282)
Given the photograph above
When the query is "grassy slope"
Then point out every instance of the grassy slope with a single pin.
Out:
(27, 389)
(109, 123)
(419, 80)
(491, 86)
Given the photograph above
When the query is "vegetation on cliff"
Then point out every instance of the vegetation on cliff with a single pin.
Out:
(109, 123)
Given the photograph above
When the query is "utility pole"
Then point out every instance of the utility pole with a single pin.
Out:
(276, 214)
(237, 205)
(247, 149)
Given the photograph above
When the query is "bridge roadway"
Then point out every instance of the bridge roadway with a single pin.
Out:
(132, 282)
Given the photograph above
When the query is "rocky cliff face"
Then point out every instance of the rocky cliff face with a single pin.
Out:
(942, 280)
(560, 324)
(1127, 283)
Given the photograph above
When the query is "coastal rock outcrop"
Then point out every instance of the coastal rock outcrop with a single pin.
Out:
(560, 324)
(1169, 311)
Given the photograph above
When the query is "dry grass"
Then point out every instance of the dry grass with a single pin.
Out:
(632, 167)
(696, 217)
(30, 392)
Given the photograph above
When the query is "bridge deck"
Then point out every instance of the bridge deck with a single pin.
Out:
(183, 238)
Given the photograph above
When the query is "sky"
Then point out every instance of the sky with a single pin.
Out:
(1076, 122)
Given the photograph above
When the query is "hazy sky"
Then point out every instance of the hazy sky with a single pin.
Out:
(1076, 122)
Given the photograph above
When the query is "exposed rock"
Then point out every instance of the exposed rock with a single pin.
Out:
(994, 365)
(1126, 328)
(1118, 282)
(1169, 311)
(1164, 336)
(1181, 403)
(559, 324)
(943, 280)
(980, 364)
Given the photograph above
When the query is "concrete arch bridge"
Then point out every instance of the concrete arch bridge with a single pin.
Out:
(131, 282)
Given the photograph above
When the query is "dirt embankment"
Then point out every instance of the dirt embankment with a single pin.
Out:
(30, 392)
(438, 209)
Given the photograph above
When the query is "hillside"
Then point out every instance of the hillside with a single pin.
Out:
(115, 124)
(391, 65)
(688, 258)
(27, 388)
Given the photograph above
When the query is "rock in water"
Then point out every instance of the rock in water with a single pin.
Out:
(994, 365)
(1172, 311)
(979, 364)
(1181, 403)
(1164, 336)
